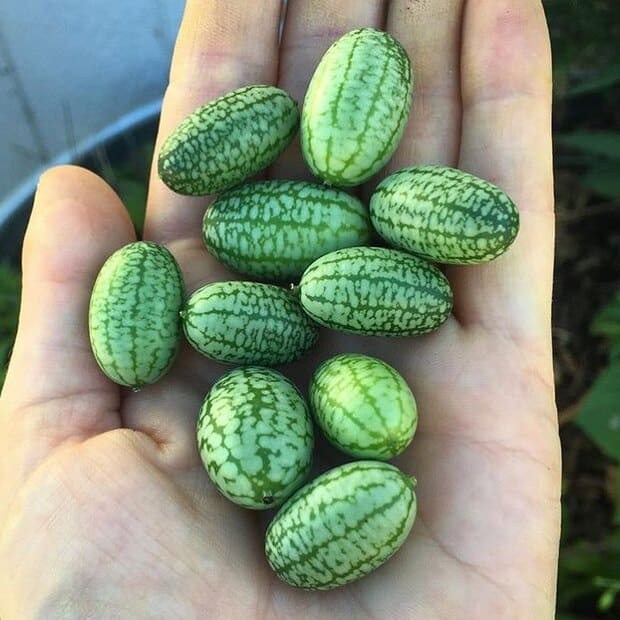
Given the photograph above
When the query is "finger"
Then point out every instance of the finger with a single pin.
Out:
(311, 26)
(221, 46)
(506, 139)
(430, 32)
(54, 386)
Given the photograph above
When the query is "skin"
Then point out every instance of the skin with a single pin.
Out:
(105, 509)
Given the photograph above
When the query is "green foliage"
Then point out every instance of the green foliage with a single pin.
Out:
(586, 48)
(593, 143)
(130, 179)
(589, 571)
(586, 43)
(600, 413)
(605, 78)
(607, 321)
(603, 179)
(10, 287)
(599, 154)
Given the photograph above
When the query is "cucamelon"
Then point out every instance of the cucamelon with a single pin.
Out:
(255, 437)
(273, 230)
(356, 107)
(375, 291)
(363, 405)
(228, 140)
(341, 526)
(133, 315)
(247, 323)
(444, 214)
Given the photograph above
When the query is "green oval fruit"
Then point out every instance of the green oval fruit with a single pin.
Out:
(341, 526)
(247, 323)
(356, 107)
(255, 437)
(228, 140)
(274, 229)
(364, 406)
(375, 291)
(133, 316)
(444, 214)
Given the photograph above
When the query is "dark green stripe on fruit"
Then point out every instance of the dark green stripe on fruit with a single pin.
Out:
(274, 229)
(444, 214)
(356, 107)
(247, 323)
(133, 315)
(228, 140)
(375, 291)
(341, 526)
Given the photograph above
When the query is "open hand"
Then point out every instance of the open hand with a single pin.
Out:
(105, 508)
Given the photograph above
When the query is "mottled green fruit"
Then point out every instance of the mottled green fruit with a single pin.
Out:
(341, 526)
(255, 437)
(273, 230)
(247, 323)
(133, 316)
(228, 140)
(364, 406)
(375, 291)
(444, 214)
(356, 107)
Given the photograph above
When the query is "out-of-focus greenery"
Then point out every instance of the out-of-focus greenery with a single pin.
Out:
(129, 178)
(593, 569)
(10, 288)
(600, 412)
(586, 52)
(585, 38)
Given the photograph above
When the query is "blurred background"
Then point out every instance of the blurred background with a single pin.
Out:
(56, 107)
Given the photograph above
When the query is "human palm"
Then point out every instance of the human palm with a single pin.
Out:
(105, 508)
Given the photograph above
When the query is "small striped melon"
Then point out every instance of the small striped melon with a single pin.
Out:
(228, 140)
(444, 214)
(272, 230)
(247, 323)
(133, 317)
(341, 526)
(375, 291)
(364, 406)
(356, 107)
(255, 437)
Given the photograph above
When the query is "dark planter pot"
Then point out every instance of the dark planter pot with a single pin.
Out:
(112, 146)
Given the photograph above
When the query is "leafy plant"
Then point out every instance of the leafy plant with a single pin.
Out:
(600, 155)
(586, 47)
(130, 179)
(586, 44)
(589, 571)
(600, 411)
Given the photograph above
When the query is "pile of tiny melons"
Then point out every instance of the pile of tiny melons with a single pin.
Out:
(255, 433)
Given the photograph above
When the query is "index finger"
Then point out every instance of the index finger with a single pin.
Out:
(221, 46)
